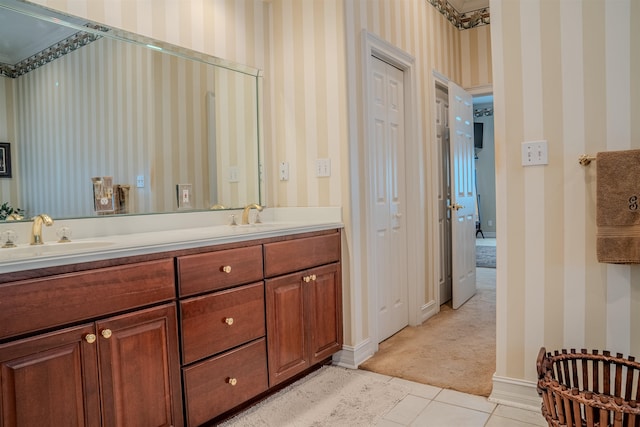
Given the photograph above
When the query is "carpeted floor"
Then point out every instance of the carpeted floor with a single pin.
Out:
(486, 256)
(331, 396)
(454, 349)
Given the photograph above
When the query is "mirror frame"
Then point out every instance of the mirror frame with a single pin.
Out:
(53, 16)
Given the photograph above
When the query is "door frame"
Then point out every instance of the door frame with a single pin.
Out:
(414, 178)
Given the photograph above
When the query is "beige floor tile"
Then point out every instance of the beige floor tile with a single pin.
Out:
(439, 414)
(470, 401)
(523, 415)
(496, 421)
(407, 410)
(417, 389)
(388, 423)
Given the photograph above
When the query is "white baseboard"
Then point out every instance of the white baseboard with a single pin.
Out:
(351, 357)
(428, 310)
(514, 392)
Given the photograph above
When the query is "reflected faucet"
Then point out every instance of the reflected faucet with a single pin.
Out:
(36, 230)
(245, 212)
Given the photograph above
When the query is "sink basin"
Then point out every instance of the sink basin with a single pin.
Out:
(50, 249)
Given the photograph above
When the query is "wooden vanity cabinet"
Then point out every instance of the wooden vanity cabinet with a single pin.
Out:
(304, 308)
(116, 370)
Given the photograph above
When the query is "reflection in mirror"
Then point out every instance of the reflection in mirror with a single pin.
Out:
(181, 132)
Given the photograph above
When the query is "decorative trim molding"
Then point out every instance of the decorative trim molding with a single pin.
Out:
(517, 393)
(55, 51)
(351, 357)
(464, 20)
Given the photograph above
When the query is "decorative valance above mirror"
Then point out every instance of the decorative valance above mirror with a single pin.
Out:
(103, 102)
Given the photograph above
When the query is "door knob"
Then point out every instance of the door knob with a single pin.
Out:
(90, 338)
(106, 333)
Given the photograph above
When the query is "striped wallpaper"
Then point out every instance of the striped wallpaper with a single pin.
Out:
(567, 72)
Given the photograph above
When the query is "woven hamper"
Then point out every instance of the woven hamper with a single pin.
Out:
(581, 389)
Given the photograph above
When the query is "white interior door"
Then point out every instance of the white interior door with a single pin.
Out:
(387, 177)
(463, 200)
(444, 192)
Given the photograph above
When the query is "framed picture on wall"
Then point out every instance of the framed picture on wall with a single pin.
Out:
(5, 160)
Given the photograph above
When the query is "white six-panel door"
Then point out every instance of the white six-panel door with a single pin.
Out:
(386, 171)
(463, 199)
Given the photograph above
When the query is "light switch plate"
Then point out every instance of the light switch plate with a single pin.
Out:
(535, 153)
(234, 174)
(323, 167)
(283, 171)
(185, 196)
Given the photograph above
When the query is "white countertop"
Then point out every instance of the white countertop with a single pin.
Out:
(95, 239)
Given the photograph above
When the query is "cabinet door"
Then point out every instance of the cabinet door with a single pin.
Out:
(50, 380)
(140, 369)
(286, 342)
(324, 312)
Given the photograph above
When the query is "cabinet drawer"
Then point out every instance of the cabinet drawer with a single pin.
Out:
(32, 305)
(205, 330)
(219, 270)
(208, 389)
(293, 255)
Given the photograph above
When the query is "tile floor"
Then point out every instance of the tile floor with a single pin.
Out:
(428, 406)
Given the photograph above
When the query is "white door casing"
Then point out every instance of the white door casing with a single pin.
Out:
(386, 146)
(463, 195)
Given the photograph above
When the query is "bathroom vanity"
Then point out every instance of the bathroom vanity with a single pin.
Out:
(171, 334)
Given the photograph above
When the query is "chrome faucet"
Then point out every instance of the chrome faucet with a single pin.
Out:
(36, 230)
(245, 212)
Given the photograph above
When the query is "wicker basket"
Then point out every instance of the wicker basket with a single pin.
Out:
(589, 389)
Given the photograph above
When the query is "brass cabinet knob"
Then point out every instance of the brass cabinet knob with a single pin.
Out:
(90, 338)
(106, 333)
(306, 279)
(232, 381)
(313, 277)
(226, 269)
(228, 321)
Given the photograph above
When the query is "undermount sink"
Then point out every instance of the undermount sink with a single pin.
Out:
(50, 249)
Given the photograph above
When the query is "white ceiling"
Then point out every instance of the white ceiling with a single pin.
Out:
(468, 5)
(22, 36)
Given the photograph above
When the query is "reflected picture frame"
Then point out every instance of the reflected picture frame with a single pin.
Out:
(5, 160)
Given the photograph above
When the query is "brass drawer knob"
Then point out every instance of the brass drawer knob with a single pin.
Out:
(306, 279)
(90, 338)
(232, 381)
(226, 269)
(228, 321)
(106, 333)
(313, 277)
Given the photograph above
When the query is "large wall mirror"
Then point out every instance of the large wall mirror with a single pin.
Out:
(99, 115)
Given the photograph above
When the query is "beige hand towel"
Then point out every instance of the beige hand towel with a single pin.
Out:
(618, 207)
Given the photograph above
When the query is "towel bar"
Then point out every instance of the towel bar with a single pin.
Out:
(586, 159)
